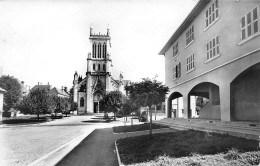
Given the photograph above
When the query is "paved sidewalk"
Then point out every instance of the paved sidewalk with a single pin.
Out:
(98, 149)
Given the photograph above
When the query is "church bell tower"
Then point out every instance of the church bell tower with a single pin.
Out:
(98, 75)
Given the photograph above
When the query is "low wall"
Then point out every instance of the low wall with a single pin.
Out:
(210, 112)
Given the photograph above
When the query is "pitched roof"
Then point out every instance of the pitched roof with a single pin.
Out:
(185, 24)
(42, 87)
(57, 91)
(62, 92)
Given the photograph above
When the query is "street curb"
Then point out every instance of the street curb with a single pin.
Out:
(118, 156)
(168, 128)
(51, 160)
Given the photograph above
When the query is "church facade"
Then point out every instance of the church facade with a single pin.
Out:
(90, 90)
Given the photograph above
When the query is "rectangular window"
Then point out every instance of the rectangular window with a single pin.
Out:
(212, 14)
(190, 35)
(213, 48)
(175, 50)
(177, 71)
(190, 63)
(249, 24)
(174, 73)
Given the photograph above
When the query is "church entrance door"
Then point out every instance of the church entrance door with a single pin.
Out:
(95, 107)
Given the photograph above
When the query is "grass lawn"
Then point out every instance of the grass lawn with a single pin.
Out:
(24, 119)
(189, 147)
(141, 127)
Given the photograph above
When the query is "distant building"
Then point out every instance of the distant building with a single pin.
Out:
(59, 92)
(89, 91)
(42, 87)
(2, 91)
(214, 58)
(25, 89)
(54, 91)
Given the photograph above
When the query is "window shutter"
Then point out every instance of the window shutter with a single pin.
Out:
(176, 71)
(179, 69)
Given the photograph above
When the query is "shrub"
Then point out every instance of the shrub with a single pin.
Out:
(6, 114)
(232, 154)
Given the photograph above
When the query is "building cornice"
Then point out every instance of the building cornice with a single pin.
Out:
(185, 24)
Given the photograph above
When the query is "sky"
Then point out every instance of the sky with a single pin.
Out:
(48, 40)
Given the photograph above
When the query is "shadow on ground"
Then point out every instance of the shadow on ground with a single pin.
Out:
(100, 118)
(98, 121)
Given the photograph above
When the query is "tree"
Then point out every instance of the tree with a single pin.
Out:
(73, 105)
(128, 108)
(57, 103)
(147, 93)
(38, 101)
(64, 102)
(111, 102)
(13, 91)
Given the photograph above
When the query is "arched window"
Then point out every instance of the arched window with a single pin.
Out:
(94, 50)
(99, 50)
(94, 67)
(104, 50)
(104, 67)
(81, 102)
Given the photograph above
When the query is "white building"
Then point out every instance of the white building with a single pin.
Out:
(89, 91)
(215, 55)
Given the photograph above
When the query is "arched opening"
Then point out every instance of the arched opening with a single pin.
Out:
(104, 50)
(175, 105)
(98, 95)
(104, 67)
(94, 50)
(245, 95)
(204, 101)
(99, 50)
(81, 102)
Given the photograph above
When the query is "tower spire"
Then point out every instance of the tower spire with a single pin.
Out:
(90, 30)
(108, 32)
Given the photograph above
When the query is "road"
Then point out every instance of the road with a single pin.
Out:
(21, 145)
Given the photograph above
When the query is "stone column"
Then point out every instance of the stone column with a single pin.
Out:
(186, 107)
(178, 107)
(168, 107)
(89, 97)
(225, 113)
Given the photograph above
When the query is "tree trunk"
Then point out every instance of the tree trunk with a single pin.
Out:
(38, 116)
(132, 120)
(114, 116)
(150, 112)
(155, 110)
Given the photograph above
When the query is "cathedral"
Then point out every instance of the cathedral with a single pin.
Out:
(89, 91)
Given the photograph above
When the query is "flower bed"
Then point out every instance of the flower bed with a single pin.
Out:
(178, 144)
